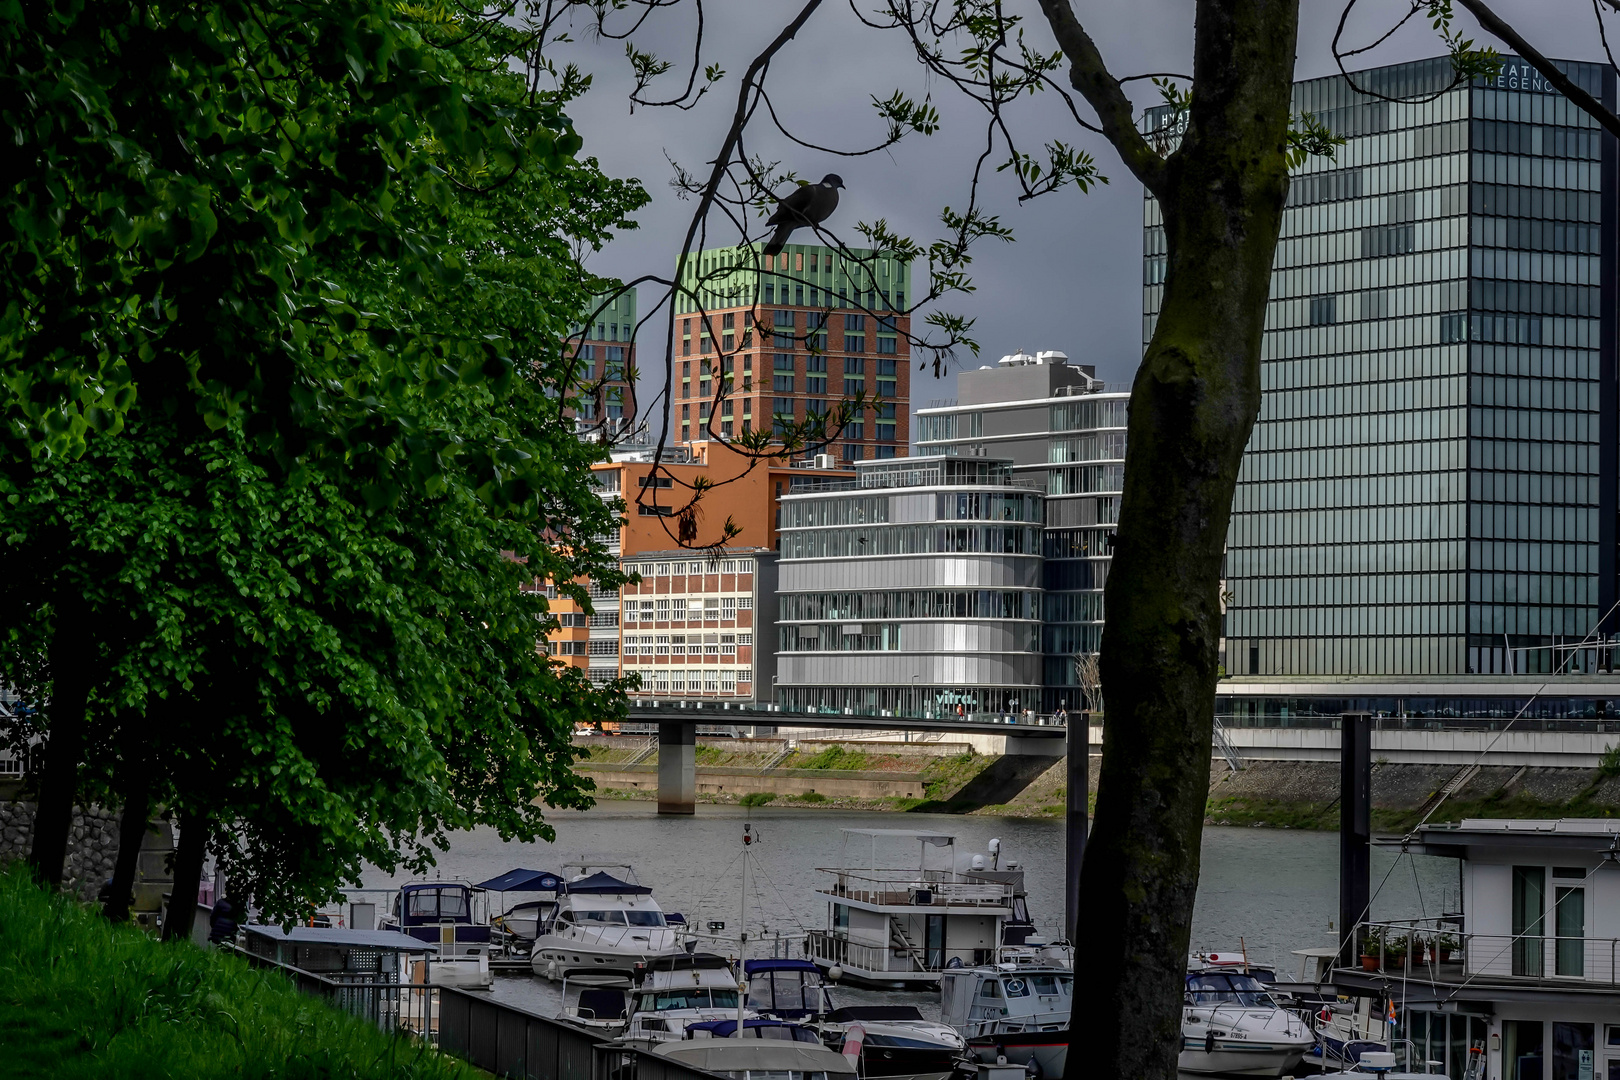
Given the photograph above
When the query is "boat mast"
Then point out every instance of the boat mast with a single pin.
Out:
(742, 934)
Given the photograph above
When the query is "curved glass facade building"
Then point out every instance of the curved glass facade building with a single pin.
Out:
(1430, 487)
(1064, 432)
(914, 588)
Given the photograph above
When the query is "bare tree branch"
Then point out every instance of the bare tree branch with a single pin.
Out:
(1089, 75)
(1588, 104)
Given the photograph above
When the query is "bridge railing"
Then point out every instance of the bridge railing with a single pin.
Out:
(763, 712)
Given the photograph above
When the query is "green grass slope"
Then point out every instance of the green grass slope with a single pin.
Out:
(82, 999)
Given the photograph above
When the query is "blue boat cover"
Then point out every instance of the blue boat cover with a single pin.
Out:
(601, 882)
(521, 880)
(756, 967)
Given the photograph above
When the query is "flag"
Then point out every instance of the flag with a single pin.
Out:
(1391, 1018)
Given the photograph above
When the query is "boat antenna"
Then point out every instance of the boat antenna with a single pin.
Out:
(742, 932)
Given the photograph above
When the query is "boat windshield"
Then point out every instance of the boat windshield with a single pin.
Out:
(438, 904)
(645, 918)
(614, 917)
(1220, 988)
(689, 997)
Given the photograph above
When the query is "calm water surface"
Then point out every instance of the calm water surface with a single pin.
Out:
(1267, 890)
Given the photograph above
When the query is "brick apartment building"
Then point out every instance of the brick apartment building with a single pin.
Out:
(793, 335)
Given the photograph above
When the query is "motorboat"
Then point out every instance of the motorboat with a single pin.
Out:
(786, 989)
(602, 921)
(1381, 1063)
(600, 1002)
(1232, 1025)
(517, 926)
(895, 1042)
(794, 1052)
(1016, 1009)
(446, 914)
(675, 991)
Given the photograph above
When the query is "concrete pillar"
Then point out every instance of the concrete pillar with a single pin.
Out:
(677, 768)
(1079, 784)
(1355, 830)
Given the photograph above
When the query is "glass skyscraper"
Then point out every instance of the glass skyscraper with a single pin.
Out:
(1431, 485)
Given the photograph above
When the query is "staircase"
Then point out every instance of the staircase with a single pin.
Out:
(1224, 747)
(788, 750)
(645, 752)
(1447, 790)
(897, 932)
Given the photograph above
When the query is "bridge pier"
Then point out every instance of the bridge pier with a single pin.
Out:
(677, 768)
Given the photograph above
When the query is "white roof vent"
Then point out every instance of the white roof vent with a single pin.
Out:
(1017, 359)
(1051, 356)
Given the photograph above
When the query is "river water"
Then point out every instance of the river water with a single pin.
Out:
(1266, 890)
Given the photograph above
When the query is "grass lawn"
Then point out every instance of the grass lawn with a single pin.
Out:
(80, 999)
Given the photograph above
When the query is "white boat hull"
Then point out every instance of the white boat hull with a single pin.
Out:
(1237, 1058)
(552, 957)
(462, 972)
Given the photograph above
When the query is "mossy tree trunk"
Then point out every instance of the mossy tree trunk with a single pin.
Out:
(189, 852)
(1193, 404)
(132, 826)
(73, 662)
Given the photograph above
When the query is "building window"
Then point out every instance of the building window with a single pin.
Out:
(886, 345)
(782, 384)
(852, 452)
(1324, 310)
(728, 607)
(745, 603)
(854, 386)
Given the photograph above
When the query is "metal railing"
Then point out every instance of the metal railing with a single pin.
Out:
(765, 710)
(380, 997)
(917, 888)
(829, 946)
(1496, 722)
(1426, 949)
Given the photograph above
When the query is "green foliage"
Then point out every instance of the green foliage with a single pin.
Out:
(1308, 137)
(87, 1001)
(835, 757)
(181, 179)
(811, 797)
(1609, 763)
(316, 590)
(757, 798)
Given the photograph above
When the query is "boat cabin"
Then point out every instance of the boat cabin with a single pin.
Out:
(785, 989)
(996, 999)
(446, 913)
(903, 905)
(1524, 980)
(673, 992)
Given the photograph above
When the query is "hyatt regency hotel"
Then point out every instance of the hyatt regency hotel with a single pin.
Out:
(1431, 485)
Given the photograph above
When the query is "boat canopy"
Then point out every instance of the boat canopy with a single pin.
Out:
(602, 882)
(854, 1013)
(760, 967)
(937, 839)
(725, 1029)
(521, 880)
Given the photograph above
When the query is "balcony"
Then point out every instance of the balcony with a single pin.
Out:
(1427, 951)
(934, 889)
(831, 947)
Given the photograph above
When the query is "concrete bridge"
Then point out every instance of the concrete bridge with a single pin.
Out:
(678, 723)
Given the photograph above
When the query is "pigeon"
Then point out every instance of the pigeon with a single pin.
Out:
(809, 205)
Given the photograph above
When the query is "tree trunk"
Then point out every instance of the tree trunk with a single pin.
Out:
(1193, 404)
(131, 834)
(71, 655)
(189, 853)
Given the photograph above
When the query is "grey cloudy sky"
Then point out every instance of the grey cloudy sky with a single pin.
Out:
(1072, 279)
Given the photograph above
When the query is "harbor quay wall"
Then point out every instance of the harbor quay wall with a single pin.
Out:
(92, 844)
(721, 780)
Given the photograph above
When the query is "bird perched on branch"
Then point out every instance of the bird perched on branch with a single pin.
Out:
(809, 205)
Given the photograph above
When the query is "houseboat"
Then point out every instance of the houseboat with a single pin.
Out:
(902, 906)
(448, 914)
(1522, 983)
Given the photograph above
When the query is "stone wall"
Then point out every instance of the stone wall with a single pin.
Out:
(92, 844)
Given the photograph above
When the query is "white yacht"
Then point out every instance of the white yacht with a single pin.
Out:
(602, 922)
(676, 991)
(768, 1050)
(1231, 1025)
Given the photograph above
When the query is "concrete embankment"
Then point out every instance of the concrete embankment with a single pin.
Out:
(954, 777)
(1305, 794)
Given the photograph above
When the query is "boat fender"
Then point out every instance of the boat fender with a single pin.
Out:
(854, 1037)
(1001, 1055)
(1032, 1069)
(1209, 1041)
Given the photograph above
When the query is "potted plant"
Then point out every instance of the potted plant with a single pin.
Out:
(1395, 950)
(1370, 948)
(1445, 945)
